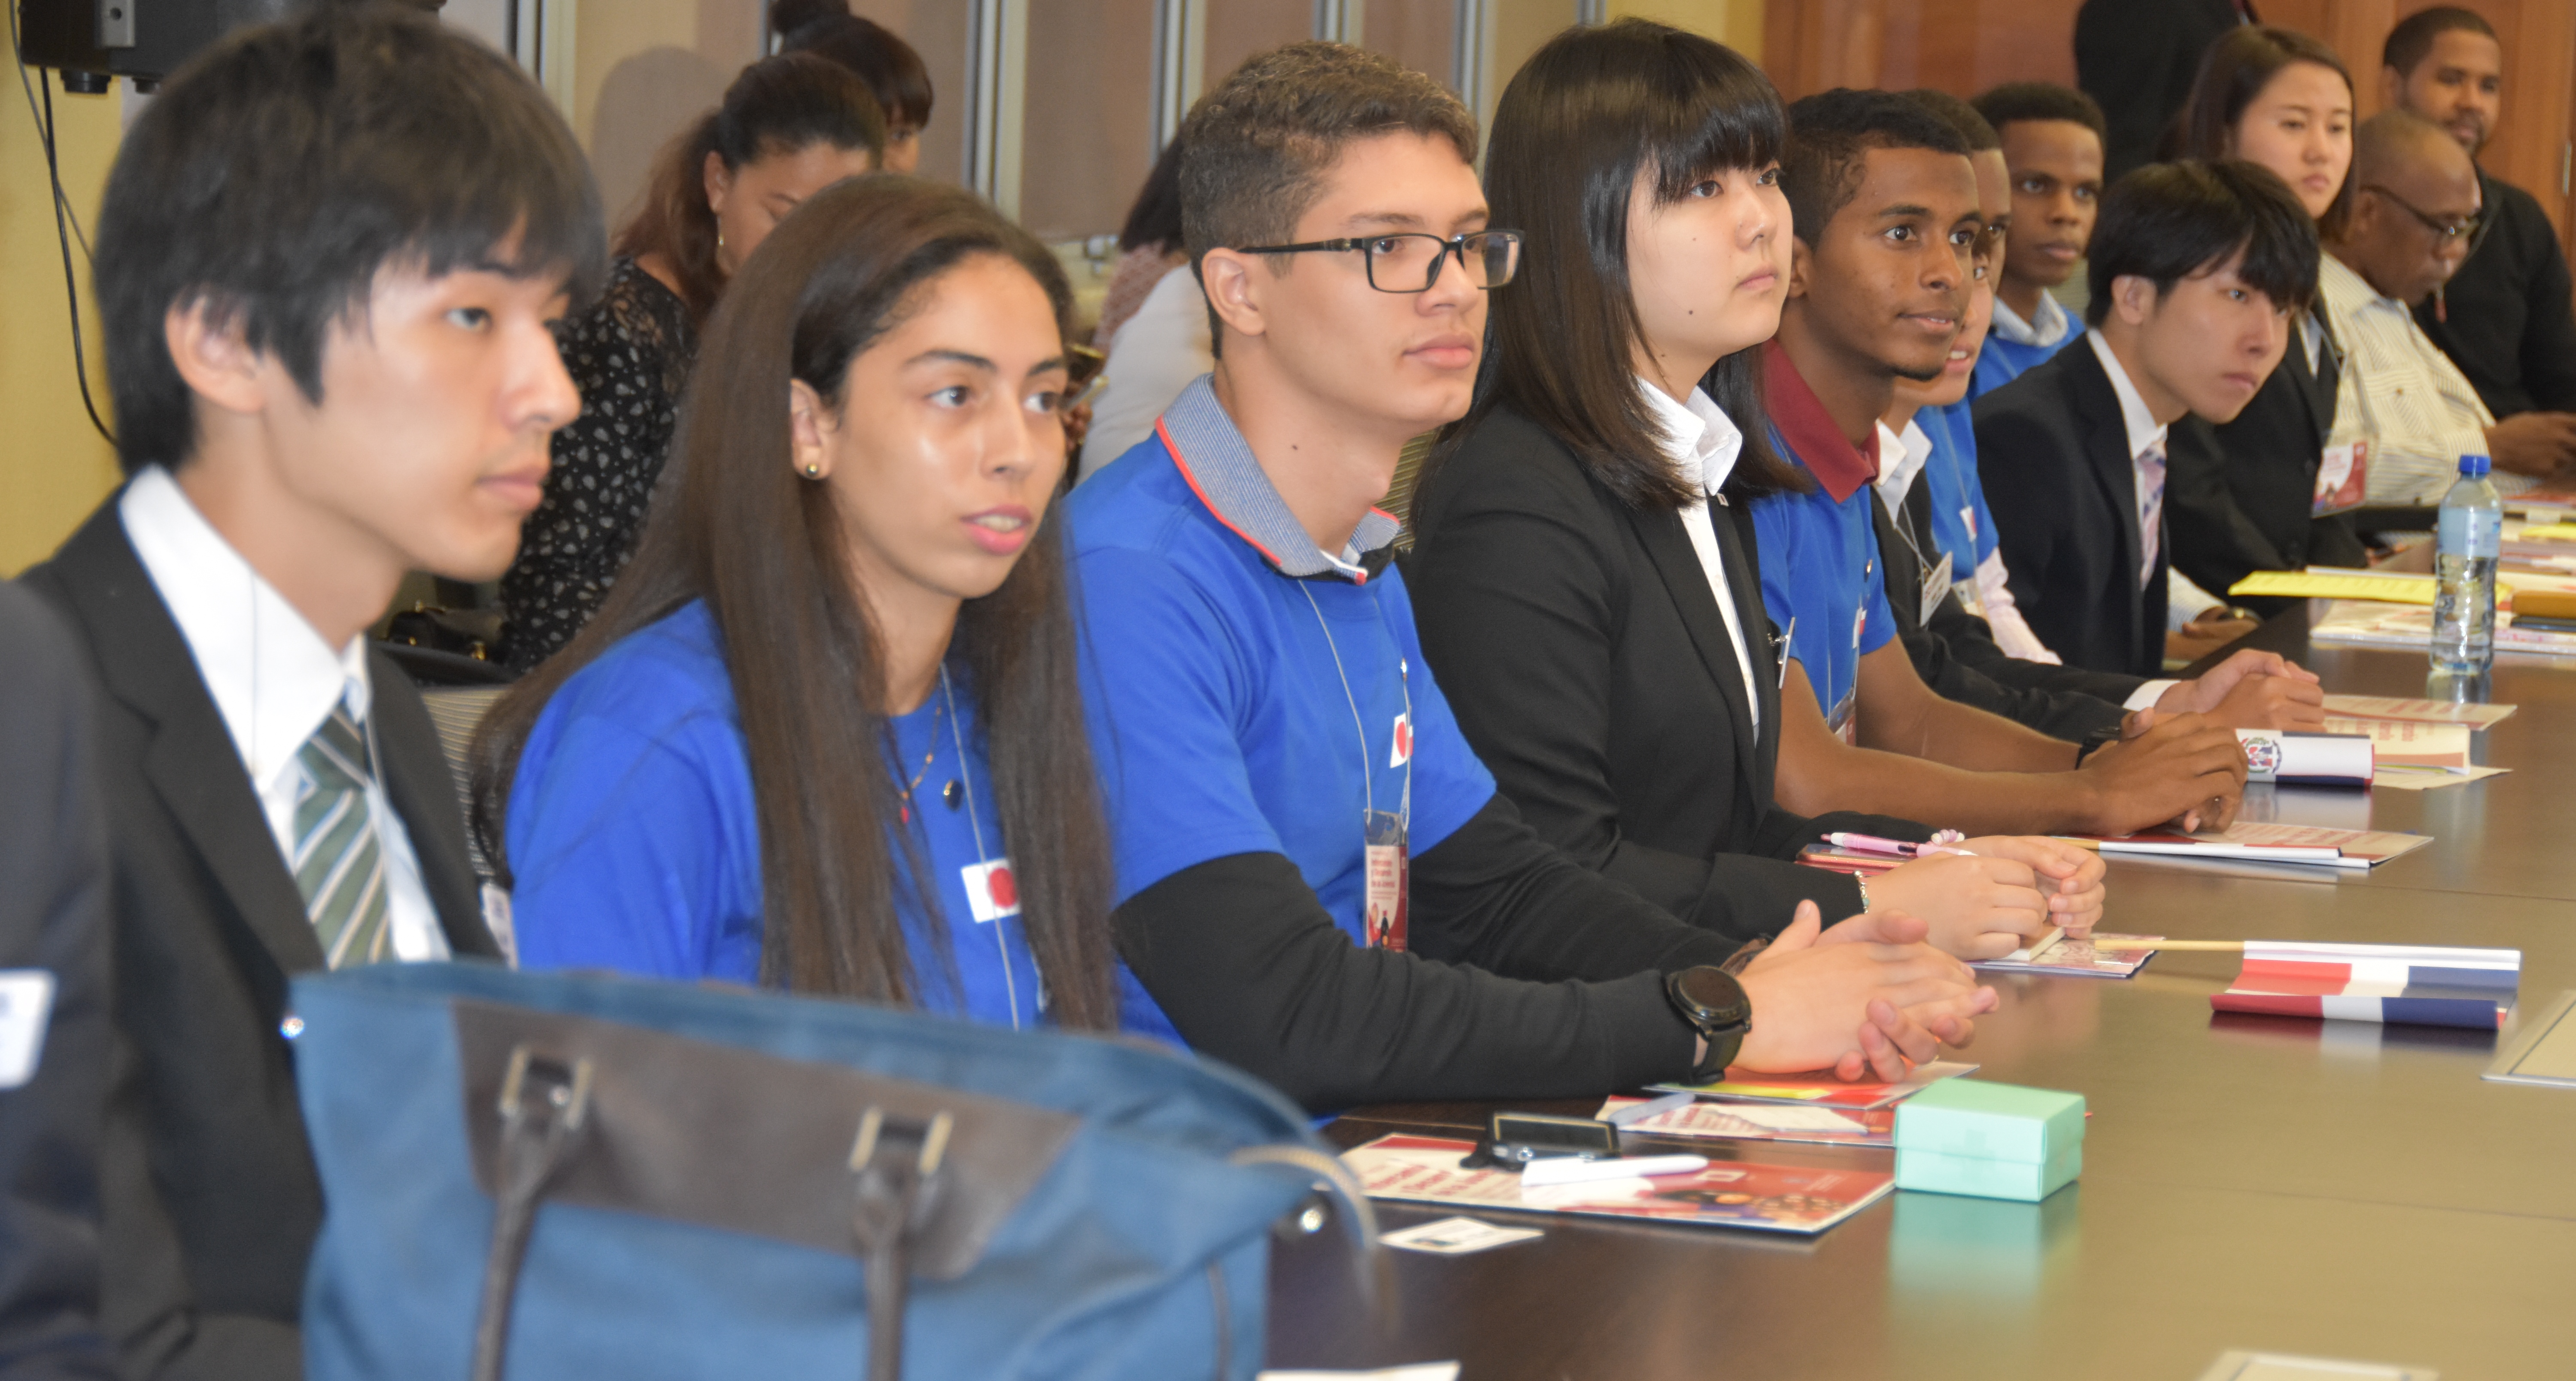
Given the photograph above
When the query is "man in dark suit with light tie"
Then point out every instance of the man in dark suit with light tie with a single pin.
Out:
(2137, 60)
(327, 263)
(53, 1004)
(2197, 271)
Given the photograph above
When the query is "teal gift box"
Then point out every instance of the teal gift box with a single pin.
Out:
(1996, 1141)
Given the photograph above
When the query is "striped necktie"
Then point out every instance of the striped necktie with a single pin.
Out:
(2151, 510)
(339, 863)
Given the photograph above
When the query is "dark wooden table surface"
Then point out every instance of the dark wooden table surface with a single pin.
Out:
(2334, 1189)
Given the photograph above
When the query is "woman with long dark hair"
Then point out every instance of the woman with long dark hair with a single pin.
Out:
(1596, 617)
(2240, 498)
(790, 126)
(892, 68)
(825, 736)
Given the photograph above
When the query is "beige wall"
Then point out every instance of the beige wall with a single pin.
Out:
(53, 466)
(1735, 23)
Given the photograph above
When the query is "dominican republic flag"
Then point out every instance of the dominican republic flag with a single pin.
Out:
(2426, 985)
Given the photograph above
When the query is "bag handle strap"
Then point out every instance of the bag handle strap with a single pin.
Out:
(1371, 1270)
(544, 1104)
(895, 1165)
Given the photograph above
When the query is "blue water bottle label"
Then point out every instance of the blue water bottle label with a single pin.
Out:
(2471, 532)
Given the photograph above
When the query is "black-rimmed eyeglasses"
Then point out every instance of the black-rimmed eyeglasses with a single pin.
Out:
(1410, 262)
(2466, 230)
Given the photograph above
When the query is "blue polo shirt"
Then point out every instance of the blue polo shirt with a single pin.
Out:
(1248, 692)
(2004, 358)
(1962, 526)
(1819, 549)
(635, 837)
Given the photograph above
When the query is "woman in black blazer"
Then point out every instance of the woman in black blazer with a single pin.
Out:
(1567, 552)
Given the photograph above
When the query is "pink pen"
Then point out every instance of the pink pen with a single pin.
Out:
(1872, 844)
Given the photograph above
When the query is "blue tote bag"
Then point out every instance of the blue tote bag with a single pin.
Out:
(548, 1176)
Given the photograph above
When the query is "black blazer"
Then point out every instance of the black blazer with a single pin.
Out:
(2137, 58)
(1580, 646)
(2239, 497)
(53, 917)
(211, 1201)
(1955, 651)
(2054, 455)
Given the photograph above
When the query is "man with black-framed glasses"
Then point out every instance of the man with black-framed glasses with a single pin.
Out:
(2416, 210)
(1317, 880)
(2504, 318)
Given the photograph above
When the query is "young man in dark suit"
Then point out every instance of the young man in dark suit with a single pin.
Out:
(53, 1003)
(2198, 271)
(328, 258)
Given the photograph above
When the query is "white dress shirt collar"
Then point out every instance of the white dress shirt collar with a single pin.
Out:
(2143, 428)
(1902, 456)
(2051, 326)
(1701, 441)
(272, 677)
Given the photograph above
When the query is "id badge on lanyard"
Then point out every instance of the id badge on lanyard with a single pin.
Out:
(1936, 583)
(2343, 478)
(1386, 859)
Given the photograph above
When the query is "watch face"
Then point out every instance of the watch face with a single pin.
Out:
(1716, 992)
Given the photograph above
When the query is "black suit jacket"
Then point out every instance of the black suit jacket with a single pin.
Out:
(2137, 58)
(2054, 455)
(2505, 317)
(2239, 497)
(1583, 652)
(53, 917)
(1955, 651)
(211, 1201)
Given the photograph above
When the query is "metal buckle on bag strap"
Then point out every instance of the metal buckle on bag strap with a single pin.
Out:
(895, 1164)
(543, 1107)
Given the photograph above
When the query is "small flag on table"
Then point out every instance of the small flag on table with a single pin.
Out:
(2425, 985)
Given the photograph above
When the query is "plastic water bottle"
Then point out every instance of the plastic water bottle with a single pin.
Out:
(2470, 534)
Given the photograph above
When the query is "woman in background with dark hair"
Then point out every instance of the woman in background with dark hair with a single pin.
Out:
(1597, 620)
(826, 735)
(2240, 498)
(1154, 323)
(892, 70)
(789, 127)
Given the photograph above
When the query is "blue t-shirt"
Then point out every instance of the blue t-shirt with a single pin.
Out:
(2002, 361)
(1219, 719)
(1961, 524)
(1820, 567)
(635, 838)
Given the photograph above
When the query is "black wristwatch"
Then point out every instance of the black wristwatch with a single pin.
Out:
(2097, 740)
(1714, 1004)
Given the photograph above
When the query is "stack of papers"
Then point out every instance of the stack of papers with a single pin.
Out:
(2474, 716)
(2413, 755)
(2360, 624)
(2076, 957)
(1821, 1088)
(2259, 843)
(1763, 1122)
(1738, 1194)
(2426, 985)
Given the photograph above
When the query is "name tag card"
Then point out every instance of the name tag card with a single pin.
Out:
(26, 999)
(2343, 478)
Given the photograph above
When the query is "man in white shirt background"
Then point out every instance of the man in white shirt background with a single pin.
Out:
(2416, 204)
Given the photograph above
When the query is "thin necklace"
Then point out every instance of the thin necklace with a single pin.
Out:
(926, 758)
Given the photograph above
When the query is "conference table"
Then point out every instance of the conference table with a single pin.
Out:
(2325, 1189)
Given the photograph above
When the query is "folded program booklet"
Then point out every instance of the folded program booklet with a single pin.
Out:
(1762, 1122)
(1734, 1194)
(2261, 843)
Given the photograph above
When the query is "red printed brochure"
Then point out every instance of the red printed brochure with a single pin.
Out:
(1771, 1198)
(1819, 1088)
(1763, 1122)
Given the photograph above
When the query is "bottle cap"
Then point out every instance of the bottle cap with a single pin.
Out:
(2475, 465)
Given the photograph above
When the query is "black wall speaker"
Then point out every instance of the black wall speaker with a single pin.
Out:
(92, 41)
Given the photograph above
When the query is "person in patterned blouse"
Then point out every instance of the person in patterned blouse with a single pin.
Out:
(790, 126)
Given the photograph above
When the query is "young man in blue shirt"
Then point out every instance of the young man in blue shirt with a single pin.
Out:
(1886, 212)
(2052, 149)
(1317, 880)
